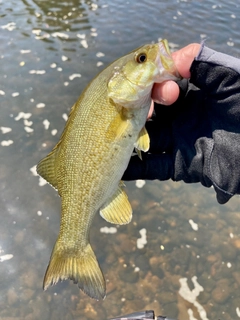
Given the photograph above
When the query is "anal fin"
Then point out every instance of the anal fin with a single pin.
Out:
(117, 209)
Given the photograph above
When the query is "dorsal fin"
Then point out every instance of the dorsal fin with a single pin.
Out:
(46, 168)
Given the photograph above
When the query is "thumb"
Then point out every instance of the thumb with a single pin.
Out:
(184, 57)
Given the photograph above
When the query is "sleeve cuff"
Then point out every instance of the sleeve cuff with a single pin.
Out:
(217, 58)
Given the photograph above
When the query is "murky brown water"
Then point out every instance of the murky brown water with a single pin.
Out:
(180, 254)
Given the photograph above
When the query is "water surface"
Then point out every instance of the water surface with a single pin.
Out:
(180, 254)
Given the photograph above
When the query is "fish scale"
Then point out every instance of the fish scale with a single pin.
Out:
(92, 154)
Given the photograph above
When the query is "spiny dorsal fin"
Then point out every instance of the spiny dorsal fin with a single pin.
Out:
(117, 209)
(46, 168)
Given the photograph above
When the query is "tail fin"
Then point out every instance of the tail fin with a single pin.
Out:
(82, 269)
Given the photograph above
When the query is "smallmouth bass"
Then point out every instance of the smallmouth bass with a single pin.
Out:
(87, 163)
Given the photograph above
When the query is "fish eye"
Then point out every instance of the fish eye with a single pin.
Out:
(141, 57)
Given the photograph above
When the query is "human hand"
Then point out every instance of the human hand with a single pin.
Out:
(166, 93)
(196, 138)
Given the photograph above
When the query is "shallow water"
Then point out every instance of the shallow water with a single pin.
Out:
(188, 267)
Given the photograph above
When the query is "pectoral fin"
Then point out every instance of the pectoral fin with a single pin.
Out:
(118, 126)
(117, 209)
(143, 142)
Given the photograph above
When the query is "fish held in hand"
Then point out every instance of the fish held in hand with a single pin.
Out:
(87, 164)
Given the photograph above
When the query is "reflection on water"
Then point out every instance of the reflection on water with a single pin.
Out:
(180, 254)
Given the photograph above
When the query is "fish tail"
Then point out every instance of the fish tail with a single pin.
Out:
(81, 267)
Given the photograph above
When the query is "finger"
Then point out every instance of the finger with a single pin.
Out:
(184, 57)
(151, 167)
(165, 93)
(150, 112)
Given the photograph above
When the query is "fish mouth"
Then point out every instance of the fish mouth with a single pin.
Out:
(166, 66)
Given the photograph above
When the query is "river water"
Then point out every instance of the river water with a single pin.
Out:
(180, 254)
